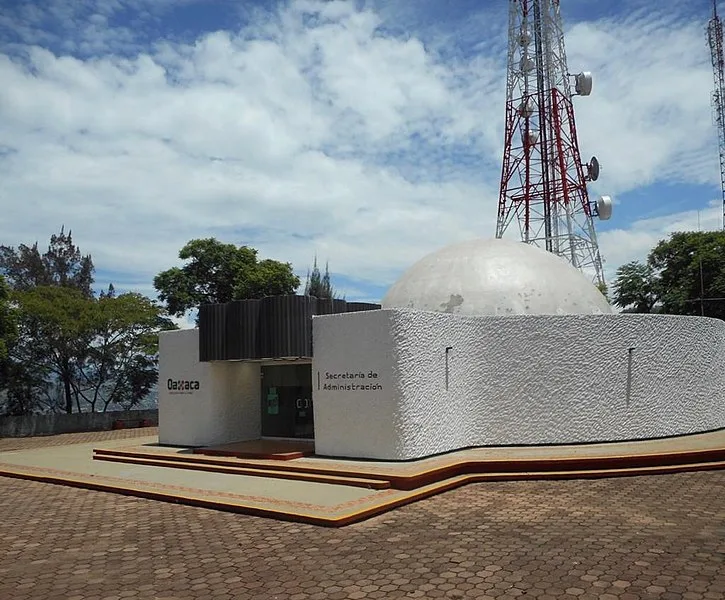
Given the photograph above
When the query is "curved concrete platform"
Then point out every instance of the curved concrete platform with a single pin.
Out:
(512, 462)
(335, 493)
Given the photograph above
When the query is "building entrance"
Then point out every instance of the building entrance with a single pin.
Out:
(287, 401)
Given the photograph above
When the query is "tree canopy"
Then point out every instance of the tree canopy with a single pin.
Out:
(8, 328)
(216, 272)
(71, 350)
(635, 288)
(317, 284)
(683, 275)
(61, 265)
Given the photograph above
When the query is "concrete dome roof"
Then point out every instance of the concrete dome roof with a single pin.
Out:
(495, 277)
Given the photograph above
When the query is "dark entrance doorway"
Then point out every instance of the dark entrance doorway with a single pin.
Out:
(287, 401)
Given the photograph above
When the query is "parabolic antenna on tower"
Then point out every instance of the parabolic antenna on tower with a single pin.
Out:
(543, 180)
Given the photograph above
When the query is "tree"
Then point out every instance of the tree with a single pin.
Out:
(121, 367)
(56, 329)
(635, 287)
(7, 325)
(8, 331)
(216, 272)
(691, 272)
(61, 265)
(34, 379)
(683, 275)
(319, 285)
(73, 350)
(86, 353)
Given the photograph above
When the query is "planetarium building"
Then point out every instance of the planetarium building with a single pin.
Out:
(488, 342)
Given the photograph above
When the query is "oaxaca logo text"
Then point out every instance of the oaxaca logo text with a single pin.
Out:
(182, 386)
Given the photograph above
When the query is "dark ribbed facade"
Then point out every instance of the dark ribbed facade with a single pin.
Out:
(273, 327)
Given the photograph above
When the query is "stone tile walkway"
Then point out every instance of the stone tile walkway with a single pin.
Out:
(649, 537)
(614, 539)
(66, 439)
(69, 459)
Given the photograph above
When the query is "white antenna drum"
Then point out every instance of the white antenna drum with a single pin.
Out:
(604, 208)
(583, 83)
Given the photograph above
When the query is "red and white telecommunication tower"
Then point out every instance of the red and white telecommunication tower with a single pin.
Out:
(543, 180)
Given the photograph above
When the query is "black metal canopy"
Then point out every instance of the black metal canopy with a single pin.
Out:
(273, 327)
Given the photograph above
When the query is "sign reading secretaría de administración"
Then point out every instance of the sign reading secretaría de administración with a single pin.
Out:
(330, 381)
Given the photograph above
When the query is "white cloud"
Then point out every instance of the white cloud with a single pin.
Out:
(648, 118)
(622, 245)
(312, 130)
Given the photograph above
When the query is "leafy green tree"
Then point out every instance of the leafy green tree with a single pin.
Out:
(317, 284)
(121, 366)
(216, 272)
(635, 287)
(61, 265)
(87, 353)
(34, 379)
(7, 322)
(56, 329)
(8, 332)
(691, 273)
(683, 275)
(73, 350)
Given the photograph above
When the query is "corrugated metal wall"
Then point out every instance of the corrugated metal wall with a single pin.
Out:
(273, 327)
(241, 327)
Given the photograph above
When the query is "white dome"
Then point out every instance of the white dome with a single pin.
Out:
(496, 277)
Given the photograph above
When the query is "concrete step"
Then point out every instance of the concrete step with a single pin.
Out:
(375, 484)
(411, 476)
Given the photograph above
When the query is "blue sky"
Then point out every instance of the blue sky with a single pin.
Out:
(367, 133)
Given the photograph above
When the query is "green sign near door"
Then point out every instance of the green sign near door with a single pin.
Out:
(272, 402)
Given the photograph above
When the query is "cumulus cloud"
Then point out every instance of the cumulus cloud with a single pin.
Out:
(634, 241)
(317, 128)
(648, 118)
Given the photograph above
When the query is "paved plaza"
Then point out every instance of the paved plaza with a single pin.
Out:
(622, 538)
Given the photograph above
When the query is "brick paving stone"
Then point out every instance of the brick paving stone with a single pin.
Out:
(612, 539)
(64, 439)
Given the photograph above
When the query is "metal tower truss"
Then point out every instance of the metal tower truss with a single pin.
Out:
(543, 180)
(714, 38)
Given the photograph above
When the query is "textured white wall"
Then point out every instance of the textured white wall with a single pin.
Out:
(517, 380)
(351, 423)
(226, 408)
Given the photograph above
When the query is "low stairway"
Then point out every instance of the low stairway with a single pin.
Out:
(447, 471)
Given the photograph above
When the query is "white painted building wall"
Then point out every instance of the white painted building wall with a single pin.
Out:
(225, 408)
(526, 379)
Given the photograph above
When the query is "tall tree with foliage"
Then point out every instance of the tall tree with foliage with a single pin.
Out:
(684, 275)
(216, 272)
(636, 288)
(8, 331)
(121, 366)
(319, 285)
(691, 273)
(75, 351)
(49, 290)
(55, 331)
(61, 265)
(88, 353)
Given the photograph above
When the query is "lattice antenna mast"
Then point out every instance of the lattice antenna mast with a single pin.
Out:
(543, 180)
(714, 38)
